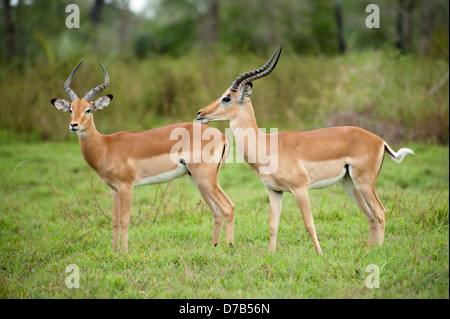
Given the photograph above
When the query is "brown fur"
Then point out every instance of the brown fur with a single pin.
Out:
(308, 159)
(124, 158)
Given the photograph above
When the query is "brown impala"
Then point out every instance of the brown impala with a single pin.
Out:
(127, 159)
(304, 160)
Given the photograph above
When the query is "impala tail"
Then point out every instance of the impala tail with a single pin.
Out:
(400, 155)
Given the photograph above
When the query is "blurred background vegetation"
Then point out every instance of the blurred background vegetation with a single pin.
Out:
(169, 58)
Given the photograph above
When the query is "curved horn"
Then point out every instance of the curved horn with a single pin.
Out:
(71, 93)
(99, 88)
(241, 79)
(261, 75)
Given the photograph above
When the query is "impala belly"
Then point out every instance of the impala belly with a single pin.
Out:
(326, 175)
(275, 188)
(158, 169)
(164, 177)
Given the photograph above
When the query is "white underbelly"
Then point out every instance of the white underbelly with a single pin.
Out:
(164, 177)
(275, 188)
(328, 182)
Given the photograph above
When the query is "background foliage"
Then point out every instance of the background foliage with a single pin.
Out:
(173, 57)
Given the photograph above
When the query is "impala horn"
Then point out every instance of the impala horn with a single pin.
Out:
(249, 76)
(99, 88)
(71, 93)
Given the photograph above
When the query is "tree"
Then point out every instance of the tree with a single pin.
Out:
(10, 31)
(213, 16)
(125, 25)
(96, 11)
(340, 26)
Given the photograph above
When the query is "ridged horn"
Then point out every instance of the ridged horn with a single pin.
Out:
(99, 88)
(246, 77)
(71, 93)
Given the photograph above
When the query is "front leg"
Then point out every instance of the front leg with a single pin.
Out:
(125, 195)
(116, 220)
(302, 198)
(276, 199)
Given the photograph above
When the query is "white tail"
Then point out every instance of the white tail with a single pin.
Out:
(400, 155)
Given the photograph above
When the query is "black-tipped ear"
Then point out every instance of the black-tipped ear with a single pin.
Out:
(102, 102)
(61, 104)
(251, 84)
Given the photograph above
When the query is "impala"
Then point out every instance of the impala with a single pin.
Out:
(314, 159)
(127, 159)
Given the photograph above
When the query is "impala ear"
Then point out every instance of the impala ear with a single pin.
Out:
(61, 104)
(246, 91)
(102, 102)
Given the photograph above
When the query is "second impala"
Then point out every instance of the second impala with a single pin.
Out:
(305, 160)
(127, 159)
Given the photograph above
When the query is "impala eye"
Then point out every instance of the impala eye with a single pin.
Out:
(70, 110)
(87, 111)
(226, 99)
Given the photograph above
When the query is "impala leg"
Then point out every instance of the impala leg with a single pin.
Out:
(304, 204)
(217, 214)
(218, 217)
(349, 187)
(366, 187)
(373, 202)
(275, 199)
(380, 215)
(228, 211)
(116, 220)
(381, 226)
(220, 205)
(125, 194)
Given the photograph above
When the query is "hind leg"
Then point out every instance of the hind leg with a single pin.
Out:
(348, 185)
(228, 211)
(365, 185)
(206, 182)
(373, 202)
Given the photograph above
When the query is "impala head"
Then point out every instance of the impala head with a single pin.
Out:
(237, 97)
(81, 109)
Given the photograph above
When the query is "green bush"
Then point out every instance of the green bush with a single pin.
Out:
(397, 97)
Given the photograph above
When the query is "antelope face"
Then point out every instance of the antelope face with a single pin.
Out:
(81, 109)
(236, 99)
(81, 113)
(227, 107)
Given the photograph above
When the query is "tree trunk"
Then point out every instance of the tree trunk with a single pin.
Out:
(10, 31)
(340, 26)
(125, 26)
(96, 11)
(399, 44)
(213, 16)
(427, 26)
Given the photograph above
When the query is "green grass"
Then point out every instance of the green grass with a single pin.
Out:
(54, 211)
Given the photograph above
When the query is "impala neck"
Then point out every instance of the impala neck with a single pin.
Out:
(243, 126)
(245, 119)
(92, 145)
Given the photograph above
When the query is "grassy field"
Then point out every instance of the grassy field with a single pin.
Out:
(56, 212)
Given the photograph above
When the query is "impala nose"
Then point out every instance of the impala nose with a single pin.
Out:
(199, 112)
(73, 126)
